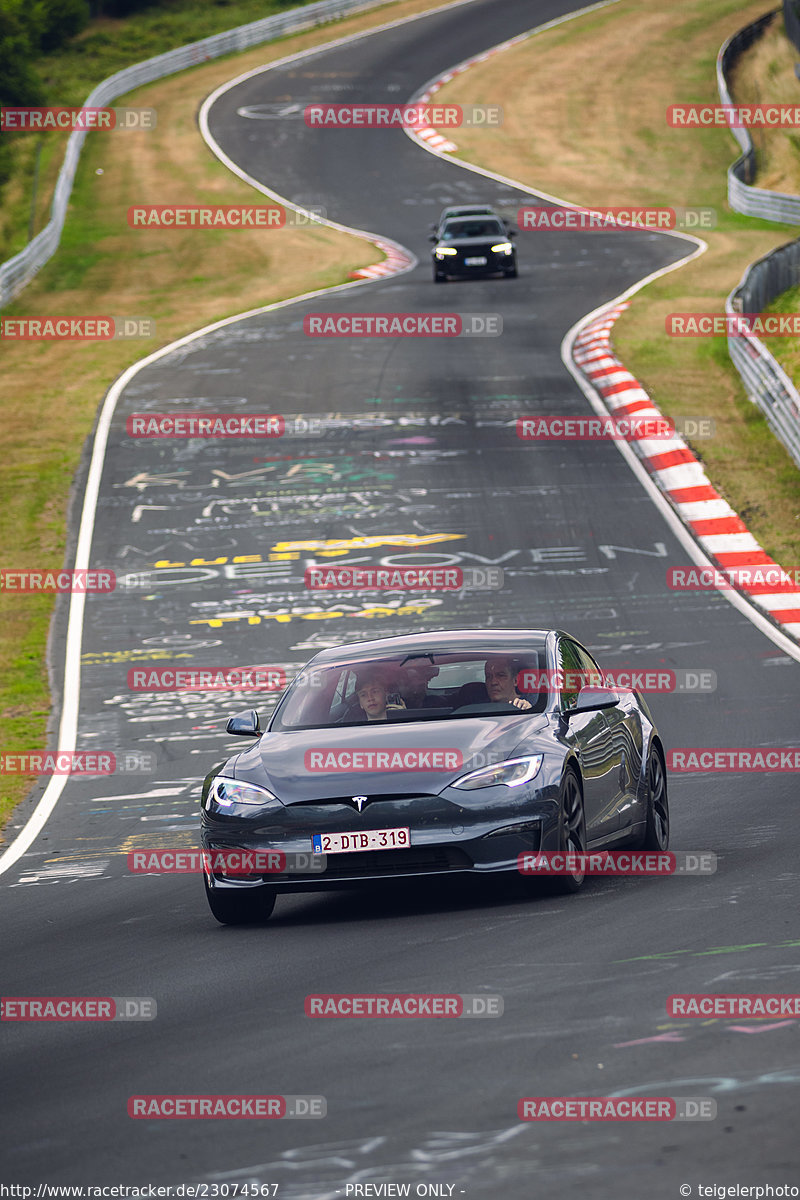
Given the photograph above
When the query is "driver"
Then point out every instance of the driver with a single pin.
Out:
(500, 674)
(372, 691)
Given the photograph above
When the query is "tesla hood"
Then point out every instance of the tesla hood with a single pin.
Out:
(422, 757)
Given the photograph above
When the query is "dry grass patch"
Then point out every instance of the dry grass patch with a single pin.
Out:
(765, 74)
(787, 350)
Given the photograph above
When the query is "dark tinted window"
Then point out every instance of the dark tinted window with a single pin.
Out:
(579, 670)
(593, 676)
(569, 664)
(472, 229)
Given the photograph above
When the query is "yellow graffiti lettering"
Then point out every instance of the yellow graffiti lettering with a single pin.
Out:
(340, 545)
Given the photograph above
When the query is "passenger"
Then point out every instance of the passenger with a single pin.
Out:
(372, 691)
(501, 681)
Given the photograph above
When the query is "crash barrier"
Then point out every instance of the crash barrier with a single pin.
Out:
(742, 197)
(766, 382)
(17, 272)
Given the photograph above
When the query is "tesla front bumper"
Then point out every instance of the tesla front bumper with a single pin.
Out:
(446, 838)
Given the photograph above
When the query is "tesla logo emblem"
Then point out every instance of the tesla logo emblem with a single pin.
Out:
(359, 801)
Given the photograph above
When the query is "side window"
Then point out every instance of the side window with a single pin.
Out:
(344, 688)
(570, 665)
(592, 675)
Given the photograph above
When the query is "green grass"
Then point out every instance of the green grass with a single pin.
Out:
(107, 45)
(786, 350)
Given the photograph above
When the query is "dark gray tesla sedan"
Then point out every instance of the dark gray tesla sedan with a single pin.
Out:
(431, 754)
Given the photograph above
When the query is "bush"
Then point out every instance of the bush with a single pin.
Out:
(19, 83)
(59, 20)
(119, 8)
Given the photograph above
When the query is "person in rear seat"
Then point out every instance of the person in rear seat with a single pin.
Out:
(414, 682)
(372, 690)
(500, 674)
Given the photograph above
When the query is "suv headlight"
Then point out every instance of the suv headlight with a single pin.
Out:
(513, 772)
(226, 792)
(442, 251)
(502, 248)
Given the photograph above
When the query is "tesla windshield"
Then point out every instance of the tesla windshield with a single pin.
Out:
(416, 686)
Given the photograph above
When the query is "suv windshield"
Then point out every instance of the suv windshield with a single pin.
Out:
(477, 210)
(416, 687)
(473, 229)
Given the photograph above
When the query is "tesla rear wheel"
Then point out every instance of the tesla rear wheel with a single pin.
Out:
(572, 830)
(656, 830)
(240, 906)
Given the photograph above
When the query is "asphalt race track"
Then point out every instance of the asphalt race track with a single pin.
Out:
(414, 446)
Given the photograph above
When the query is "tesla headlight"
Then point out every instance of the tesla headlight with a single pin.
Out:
(502, 248)
(227, 792)
(443, 251)
(512, 772)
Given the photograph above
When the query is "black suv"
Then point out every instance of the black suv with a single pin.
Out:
(473, 245)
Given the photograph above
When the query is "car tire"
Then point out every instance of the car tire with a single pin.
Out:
(240, 906)
(511, 274)
(656, 829)
(438, 277)
(571, 831)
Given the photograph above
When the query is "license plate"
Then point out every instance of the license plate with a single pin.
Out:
(367, 839)
(474, 262)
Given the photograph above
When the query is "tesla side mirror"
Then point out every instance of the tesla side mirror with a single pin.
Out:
(433, 238)
(593, 699)
(513, 232)
(244, 723)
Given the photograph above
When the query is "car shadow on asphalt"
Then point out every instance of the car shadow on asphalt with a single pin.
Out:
(397, 899)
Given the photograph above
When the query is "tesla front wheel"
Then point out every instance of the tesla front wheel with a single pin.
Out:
(571, 830)
(656, 830)
(240, 906)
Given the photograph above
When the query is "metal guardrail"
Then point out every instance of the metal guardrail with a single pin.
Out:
(767, 383)
(742, 196)
(18, 271)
